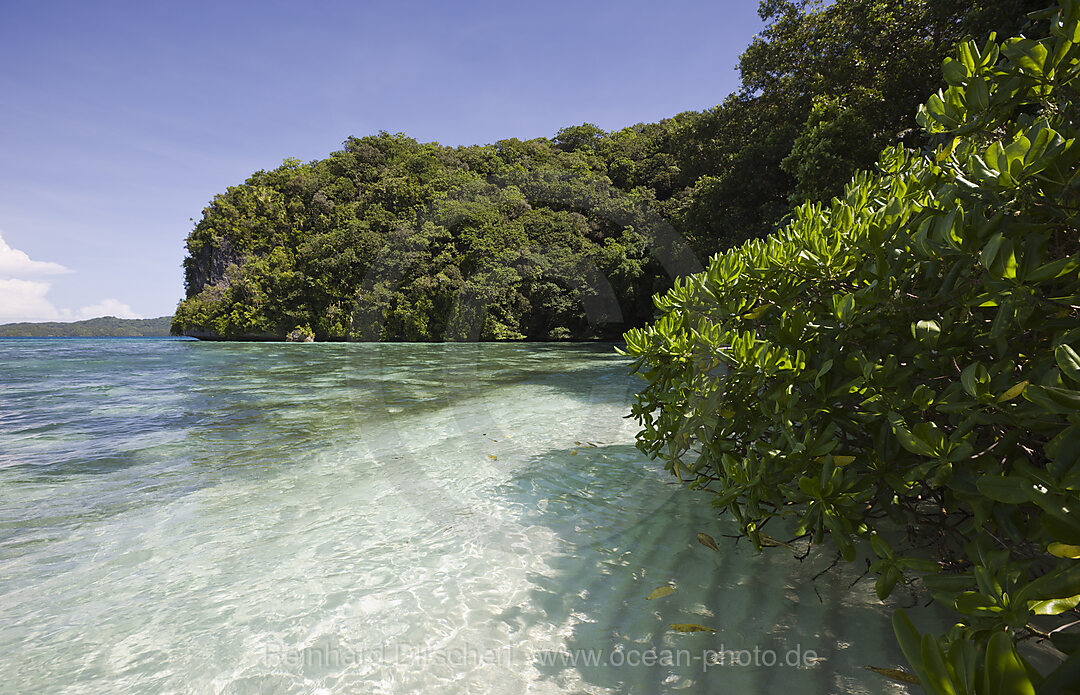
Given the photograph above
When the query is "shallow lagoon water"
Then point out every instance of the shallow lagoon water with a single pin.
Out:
(380, 518)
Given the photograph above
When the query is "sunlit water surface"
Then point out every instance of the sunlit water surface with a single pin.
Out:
(328, 518)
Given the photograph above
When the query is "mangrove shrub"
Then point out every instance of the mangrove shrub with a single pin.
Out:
(898, 370)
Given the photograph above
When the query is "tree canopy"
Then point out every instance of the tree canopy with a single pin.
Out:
(394, 239)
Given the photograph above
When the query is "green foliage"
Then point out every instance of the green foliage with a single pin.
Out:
(392, 239)
(824, 88)
(837, 139)
(907, 358)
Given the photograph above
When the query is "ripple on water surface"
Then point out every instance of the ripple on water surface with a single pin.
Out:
(257, 518)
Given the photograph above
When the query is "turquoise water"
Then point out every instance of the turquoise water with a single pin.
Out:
(336, 518)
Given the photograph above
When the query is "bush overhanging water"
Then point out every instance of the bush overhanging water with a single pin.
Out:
(898, 369)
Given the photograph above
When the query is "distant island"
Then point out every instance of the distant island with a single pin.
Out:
(104, 327)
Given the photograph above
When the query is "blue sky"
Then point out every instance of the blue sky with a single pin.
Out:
(120, 120)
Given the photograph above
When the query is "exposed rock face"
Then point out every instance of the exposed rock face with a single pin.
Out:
(300, 335)
(207, 265)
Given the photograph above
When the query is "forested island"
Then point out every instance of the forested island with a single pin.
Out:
(104, 327)
(568, 237)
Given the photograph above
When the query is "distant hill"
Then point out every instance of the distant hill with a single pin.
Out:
(105, 327)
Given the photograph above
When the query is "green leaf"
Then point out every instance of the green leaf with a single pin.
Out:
(1071, 552)
(963, 660)
(1060, 583)
(995, 157)
(1004, 673)
(978, 95)
(1065, 447)
(948, 583)
(840, 536)
(990, 250)
(1012, 392)
(1068, 361)
(1053, 398)
(1008, 489)
(975, 603)
(919, 564)
(954, 71)
(885, 583)
(844, 307)
(926, 332)
(1051, 270)
(1028, 54)
(1062, 529)
(974, 379)
(938, 678)
(810, 486)
(910, 643)
(881, 548)
(907, 439)
(1054, 606)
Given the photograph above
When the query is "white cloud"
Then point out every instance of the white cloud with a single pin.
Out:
(26, 300)
(107, 307)
(16, 264)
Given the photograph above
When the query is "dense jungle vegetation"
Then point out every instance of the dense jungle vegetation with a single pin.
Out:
(569, 237)
(896, 372)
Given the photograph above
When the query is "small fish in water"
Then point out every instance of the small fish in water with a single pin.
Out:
(769, 541)
(690, 627)
(660, 592)
(707, 541)
(895, 674)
